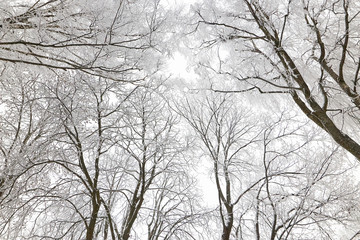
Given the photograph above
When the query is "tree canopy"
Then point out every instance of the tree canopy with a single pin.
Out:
(99, 140)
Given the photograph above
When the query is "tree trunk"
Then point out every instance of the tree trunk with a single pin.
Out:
(91, 228)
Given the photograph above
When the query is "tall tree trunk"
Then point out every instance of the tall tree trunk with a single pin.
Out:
(92, 224)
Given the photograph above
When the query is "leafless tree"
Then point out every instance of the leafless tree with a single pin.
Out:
(157, 168)
(115, 162)
(104, 38)
(306, 49)
(301, 187)
(225, 135)
(91, 149)
(268, 184)
(25, 136)
(175, 212)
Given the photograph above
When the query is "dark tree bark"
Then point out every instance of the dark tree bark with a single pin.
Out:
(328, 69)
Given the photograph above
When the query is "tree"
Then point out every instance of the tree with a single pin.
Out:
(225, 134)
(301, 188)
(114, 162)
(306, 49)
(153, 149)
(90, 147)
(68, 202)
(268, 184)
(67, 121)
(175, 212)
(26, 131)
(104, 39)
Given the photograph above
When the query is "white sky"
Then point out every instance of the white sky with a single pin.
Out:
(180, 2)
(180, 70)
(177, 65)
